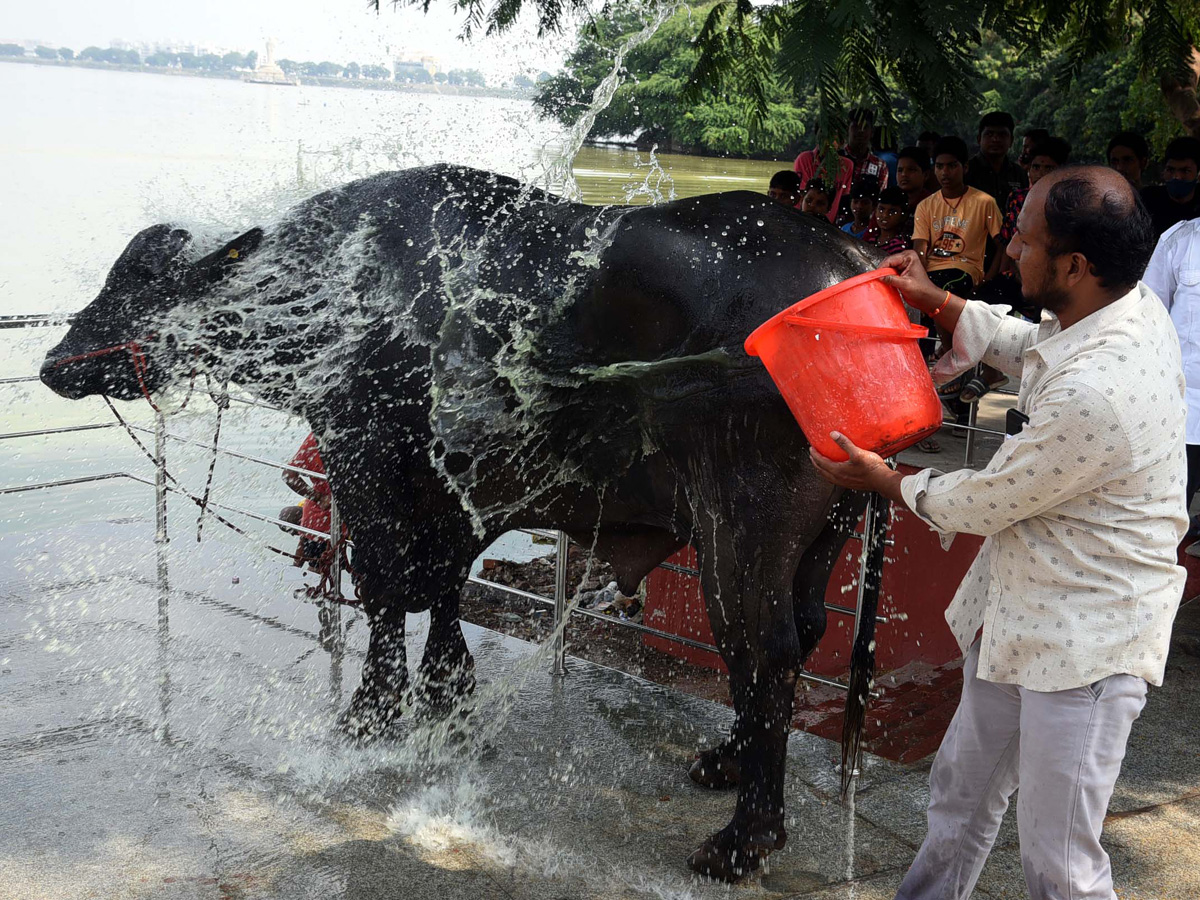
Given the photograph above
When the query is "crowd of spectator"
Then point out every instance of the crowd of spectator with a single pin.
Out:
(959, 211)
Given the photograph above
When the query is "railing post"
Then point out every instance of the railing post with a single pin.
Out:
(560, 604)
(161, 539)
(331, 610)
(160, 478)
(972, 417)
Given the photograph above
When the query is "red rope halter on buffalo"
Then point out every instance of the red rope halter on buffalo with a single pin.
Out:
(326, 589)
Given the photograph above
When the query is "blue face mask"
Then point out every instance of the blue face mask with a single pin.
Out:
(1178, 189)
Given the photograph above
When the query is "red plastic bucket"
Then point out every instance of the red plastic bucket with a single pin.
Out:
(846, 359)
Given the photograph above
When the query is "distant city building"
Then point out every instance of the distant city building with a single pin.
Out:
(413, 60)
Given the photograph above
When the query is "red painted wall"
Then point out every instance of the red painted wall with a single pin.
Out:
(919, 580)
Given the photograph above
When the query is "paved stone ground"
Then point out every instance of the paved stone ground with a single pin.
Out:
(201, 763)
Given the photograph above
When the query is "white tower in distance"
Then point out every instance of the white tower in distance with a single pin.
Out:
(268, 71)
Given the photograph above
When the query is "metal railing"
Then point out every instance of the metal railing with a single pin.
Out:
(973, 430)
(559, 602)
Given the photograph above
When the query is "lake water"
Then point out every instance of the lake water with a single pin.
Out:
(91, 157)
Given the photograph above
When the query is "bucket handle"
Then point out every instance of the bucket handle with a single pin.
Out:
(913, 331)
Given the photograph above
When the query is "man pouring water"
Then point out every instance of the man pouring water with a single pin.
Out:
(1065, 616)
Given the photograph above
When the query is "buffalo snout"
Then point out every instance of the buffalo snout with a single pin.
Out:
(61, 376)
(74, 371)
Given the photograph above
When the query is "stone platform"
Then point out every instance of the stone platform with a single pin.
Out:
(197, 760)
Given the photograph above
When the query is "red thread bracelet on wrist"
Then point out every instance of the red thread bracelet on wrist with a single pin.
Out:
(945, 303)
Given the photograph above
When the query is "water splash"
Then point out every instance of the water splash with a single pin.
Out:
(657, 186)
(558, 177)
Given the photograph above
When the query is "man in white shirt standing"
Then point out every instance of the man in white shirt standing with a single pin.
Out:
(1065, 616)
(1174, 274)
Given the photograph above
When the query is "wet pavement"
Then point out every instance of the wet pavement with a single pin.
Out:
(193, 756)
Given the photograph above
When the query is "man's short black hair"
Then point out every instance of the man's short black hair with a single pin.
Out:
(926, 136)
(1055, 148)
(1183, 148)
(893, 196)
(865, 187)
(787, 180)
(997, 120)
(917, 155)
(861, 115)
(1133, 141)
(1036, 135)
(954, 146)
(1111, 228)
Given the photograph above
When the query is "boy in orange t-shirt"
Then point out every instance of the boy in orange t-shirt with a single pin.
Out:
(952, 230)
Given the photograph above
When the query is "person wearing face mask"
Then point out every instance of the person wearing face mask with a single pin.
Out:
(1176, 199)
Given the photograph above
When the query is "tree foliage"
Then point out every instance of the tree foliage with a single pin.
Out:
(648, 101)
(1101, 96)
(112, 55)
(469, 77)
(413, 73)
(897, 54)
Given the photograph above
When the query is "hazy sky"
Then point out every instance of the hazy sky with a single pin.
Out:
(338, 30)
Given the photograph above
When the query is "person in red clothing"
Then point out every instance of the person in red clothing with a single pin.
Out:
(860, 130)
(1043, 159)
(317, 497)
(808, 167)
(855, 159)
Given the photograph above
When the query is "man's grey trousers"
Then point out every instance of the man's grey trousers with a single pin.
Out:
(1063, 748)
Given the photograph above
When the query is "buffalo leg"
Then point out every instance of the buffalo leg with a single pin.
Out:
(751, 612)
(379, 699)
(447, 672)
(717, 767)
(817, 564)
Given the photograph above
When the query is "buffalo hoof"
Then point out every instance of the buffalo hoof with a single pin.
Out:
(372, 712)
(731, 853)
(439, 696)
(716, 769)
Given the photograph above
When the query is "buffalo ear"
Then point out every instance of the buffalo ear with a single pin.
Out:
(217, 264)
(152, 251)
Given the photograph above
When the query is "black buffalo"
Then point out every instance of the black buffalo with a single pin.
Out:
(475, 356)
